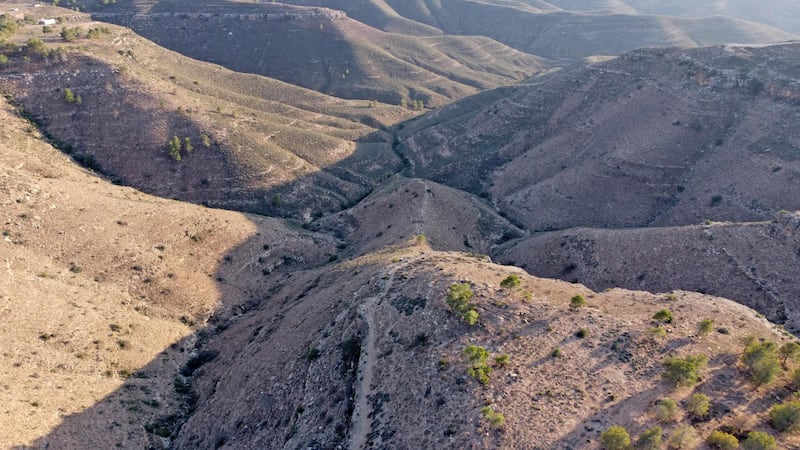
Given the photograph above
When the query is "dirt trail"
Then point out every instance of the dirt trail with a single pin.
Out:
(361, 424)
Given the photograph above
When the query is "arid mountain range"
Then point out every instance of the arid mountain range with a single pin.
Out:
(398, 224)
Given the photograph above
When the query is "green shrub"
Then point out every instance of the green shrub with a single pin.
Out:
(786, 416)
(698, 405)
(556, 353)
(187, 145)
(684, 371)
(510, 282)
(725, 441)
(70, 34)
(615, 438)
(664, 316)
(705, 326)
(650, 439)
(495, 419)
(3, 59)
(666, 410)
(458, 298)
(478, 368)
(758, 440)
(174, 148)
(790, 350)
(205, 140)
(761, 359)
(577, 301)
(795, 382)
(683, 437)
(658, 332)
(502, 360)
(582, 333)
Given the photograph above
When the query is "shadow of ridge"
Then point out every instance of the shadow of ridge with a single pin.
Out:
(154, 401)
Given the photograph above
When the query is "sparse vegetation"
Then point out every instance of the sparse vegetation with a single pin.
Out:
(174, 148)
(725, 441)
(683, 437)
(705, 326)
(510, 282)
(478, 368)
(70, 34)
(458, 298)
(495, 419)
(663, 316)
(666, 410)
(786, 416)
(615, 438)
(650, 439)
(698, 405)
(502, 360)
(761, 359)
(577, 301)
(759, 440)
(684, 371)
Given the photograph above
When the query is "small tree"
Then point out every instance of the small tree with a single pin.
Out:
(683, 437)
(70, 34)
(577, 301)
(403, 103)
(786, 416)
(650, 439)
(684, 371)
(69, 97)
(615, 438)
(187, 145)
(510, 282)
(174, 148)
(667, 410)
(502, 360)
(698, 405)
(758, 440)
(725, 441)
(205, 140)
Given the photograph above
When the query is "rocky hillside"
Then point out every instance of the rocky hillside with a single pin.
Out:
(102, 288)
(576, 29)
(653, 138)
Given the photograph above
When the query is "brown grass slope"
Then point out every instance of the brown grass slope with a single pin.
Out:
(545, 29)
(322, 152)
(324, 50)
(100, 283)
(367, 355)
(754, 263)
(652, 138)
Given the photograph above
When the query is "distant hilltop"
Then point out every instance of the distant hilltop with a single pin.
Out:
(294, 14)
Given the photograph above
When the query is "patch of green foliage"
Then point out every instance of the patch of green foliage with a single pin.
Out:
(458, 298)
(615, 438)
(684, 371)
(478, 368)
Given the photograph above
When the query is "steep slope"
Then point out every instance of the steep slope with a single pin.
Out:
(102, 287)
(368, 356)
(325, 50)
(652, 138)
(754, 263)
(258, 144)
